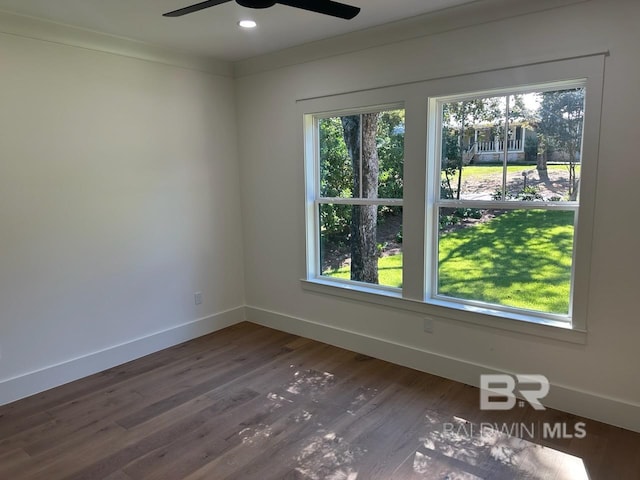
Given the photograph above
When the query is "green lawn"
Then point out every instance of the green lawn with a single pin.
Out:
(389, 271)
(471, 171)
(520, 259)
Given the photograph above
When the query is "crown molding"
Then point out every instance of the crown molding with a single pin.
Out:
(462, 16)
(34, 28)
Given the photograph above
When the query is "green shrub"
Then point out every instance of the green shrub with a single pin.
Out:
(531, 148)
(529, 194)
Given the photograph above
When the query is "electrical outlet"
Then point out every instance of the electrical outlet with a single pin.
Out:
(428, 324)
(197, 298)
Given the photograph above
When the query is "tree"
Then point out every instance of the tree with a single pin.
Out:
(390, 141)
(451, 159)
(359, 133)
(560, 127)
(531, 151)
(459, 118)
(336, 180)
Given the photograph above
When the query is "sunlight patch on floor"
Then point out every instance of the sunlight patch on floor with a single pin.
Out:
(328, 457)
(457, 449)
(310, 381)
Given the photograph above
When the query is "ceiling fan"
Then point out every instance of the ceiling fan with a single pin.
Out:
(327, 7)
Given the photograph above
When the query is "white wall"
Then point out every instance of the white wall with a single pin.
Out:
(119, 198)
(598, 379)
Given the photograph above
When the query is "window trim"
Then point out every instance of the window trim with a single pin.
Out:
(435, 203)
(312, 148)
(445, 314)
(415, 97)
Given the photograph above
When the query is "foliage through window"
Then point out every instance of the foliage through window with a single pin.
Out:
(359, 206)
(508, 198)
(460, 197)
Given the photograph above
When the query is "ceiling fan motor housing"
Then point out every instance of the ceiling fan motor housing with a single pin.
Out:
(256, 3)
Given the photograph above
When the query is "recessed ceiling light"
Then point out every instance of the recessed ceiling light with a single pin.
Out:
(247, 24)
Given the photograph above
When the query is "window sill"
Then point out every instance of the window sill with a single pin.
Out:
(449, 311)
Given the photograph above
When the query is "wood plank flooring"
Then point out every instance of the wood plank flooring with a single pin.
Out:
(249, 402)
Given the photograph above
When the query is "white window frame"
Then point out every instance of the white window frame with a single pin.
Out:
(419, 100)
(314, 262)
(436, 202)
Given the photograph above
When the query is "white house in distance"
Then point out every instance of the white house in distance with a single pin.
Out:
(486, 144)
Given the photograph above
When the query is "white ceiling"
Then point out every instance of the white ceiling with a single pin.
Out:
(214, 32)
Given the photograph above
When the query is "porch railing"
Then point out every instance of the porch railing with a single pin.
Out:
(498, 146)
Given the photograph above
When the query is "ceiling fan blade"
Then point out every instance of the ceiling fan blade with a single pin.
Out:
(194, 8)
(328, 7)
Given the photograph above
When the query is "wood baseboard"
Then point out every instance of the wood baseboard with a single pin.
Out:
(598, 407)
(55, 375)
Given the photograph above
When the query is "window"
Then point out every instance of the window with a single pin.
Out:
(507, 204)
(358, 201)
(467, 198)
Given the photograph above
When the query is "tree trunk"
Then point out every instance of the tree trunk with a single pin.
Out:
(541, 164)
(360, 139)
(461, 164)
(574, 182)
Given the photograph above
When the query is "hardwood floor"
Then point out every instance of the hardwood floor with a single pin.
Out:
(248, 402)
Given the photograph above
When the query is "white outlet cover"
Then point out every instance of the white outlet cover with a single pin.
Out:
(428, 325)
